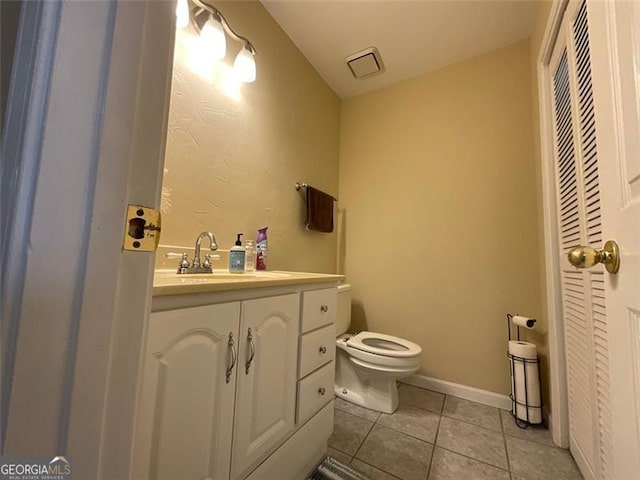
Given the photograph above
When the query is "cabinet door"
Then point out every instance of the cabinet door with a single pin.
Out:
(185, 412)
(266, 392)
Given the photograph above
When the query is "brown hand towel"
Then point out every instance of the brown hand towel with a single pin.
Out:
(319, 210)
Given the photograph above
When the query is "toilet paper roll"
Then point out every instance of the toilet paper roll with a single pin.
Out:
(518, 375)
(533, 401)
(531, 388)
(523, 349)
(534, 409)
(525, 322)
(524, 373)
(535, 414)
(521, 368)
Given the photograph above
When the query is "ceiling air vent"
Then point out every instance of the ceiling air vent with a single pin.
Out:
(365, 63)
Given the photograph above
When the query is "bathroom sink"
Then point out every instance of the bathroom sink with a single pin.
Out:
(222, 275)
(169, 282)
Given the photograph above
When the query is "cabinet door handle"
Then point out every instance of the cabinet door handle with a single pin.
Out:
(323, 350)
(322, 390)
(324, 308)
(252, 348)
(234, 356)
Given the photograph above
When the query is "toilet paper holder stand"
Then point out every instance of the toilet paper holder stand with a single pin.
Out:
(514, 361)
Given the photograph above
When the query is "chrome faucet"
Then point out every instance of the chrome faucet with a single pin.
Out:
(197, 265)
(212, 243)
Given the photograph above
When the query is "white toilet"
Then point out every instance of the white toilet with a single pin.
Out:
(368, 364)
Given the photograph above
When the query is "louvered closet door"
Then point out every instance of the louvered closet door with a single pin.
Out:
(579, 223)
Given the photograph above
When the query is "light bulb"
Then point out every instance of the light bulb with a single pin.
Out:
(213, 39)
(244, 66)
(182, 14)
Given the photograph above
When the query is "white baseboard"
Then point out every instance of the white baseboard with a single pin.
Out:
(461, 391)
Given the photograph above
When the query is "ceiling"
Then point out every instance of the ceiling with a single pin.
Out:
(413, 37)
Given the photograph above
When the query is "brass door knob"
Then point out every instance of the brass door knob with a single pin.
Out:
(587, 257)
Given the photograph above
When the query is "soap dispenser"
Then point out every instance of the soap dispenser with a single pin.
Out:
(237, 256)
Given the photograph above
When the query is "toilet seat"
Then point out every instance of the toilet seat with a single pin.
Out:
(384, 345)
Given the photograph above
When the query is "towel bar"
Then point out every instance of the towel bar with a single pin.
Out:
(300, 185)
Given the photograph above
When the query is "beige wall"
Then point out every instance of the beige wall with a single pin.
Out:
(233, 156)
(439, 192)
(438, 199)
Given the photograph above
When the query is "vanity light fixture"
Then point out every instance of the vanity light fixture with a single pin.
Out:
(212, 26)
(212, 37)
(245, 66)
(182, 14)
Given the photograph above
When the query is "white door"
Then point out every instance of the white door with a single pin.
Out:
(615, 30)
(266, 392)
(595, 202)
(84, 137)
(185, 420)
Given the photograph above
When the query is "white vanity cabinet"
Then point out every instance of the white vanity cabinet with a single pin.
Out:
(316, 370)
(185, 414)
(196, 422)
(266, 391)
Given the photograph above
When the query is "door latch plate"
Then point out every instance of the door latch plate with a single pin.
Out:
(142, 229)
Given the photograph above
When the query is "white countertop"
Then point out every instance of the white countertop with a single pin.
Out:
(168, 282)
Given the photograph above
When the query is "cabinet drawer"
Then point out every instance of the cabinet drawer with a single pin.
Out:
(315, 391)
(316, 349)
(319, 308)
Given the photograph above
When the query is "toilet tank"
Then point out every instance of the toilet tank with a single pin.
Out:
(343, 315)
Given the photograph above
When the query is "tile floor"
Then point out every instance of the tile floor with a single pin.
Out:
(438, 437)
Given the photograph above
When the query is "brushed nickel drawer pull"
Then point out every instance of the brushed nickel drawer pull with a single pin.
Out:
(322, 390)
(252, 347)
(324, 308)
(234, 357)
